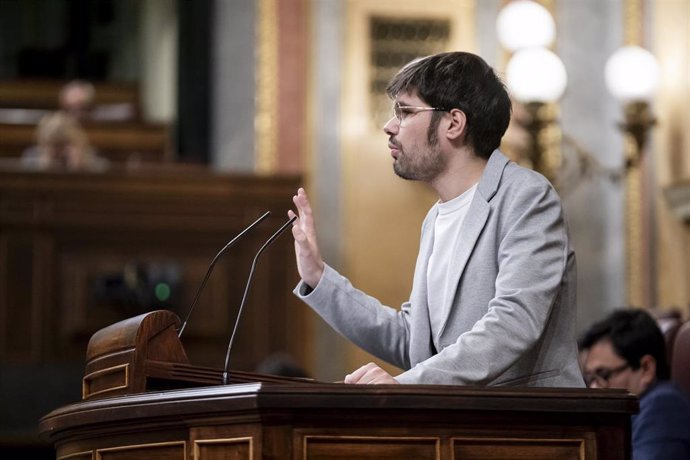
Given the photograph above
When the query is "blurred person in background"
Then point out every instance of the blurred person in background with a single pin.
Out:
(77, 99)
(627, 350)
(61, 142)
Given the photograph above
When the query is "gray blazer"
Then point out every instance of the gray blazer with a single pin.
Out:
(512, 317)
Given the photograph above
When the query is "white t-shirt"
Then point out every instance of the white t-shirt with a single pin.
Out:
(447, 232)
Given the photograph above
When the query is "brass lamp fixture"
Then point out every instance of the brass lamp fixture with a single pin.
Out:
(536, 78)
(638, 122)
(632, 76)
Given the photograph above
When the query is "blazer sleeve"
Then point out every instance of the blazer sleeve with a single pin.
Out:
(380, 330)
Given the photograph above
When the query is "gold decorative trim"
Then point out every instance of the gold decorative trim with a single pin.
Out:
(266, 97)
(88, 453)
(633, 234)
(632, 25)
(385, 438)
(86, 381)
(183, 444)
(634, 259)
(245, 439)
(312, 98)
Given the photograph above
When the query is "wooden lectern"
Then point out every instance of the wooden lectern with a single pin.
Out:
(144, 353)
(138, 404)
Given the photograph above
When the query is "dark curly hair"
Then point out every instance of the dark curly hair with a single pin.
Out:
(464, 81)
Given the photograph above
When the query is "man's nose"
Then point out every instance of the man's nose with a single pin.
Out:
(391, 126)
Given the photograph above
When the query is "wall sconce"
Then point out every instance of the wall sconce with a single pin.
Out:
(536, 78)
(632, 76)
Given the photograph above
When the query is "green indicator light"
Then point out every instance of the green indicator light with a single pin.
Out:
(162, 291)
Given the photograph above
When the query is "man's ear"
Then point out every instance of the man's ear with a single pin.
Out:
(648, 370)
(458, 124)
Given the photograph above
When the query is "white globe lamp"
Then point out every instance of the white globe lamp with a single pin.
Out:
(536, 75)
(632, 74)
(525, 24)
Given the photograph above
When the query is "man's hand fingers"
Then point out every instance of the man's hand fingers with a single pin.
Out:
(305, 212)
(358, 374)
(370, 374)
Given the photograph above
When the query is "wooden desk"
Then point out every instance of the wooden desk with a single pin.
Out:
(336, 421)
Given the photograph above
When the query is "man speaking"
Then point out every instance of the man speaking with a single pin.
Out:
(493, 295)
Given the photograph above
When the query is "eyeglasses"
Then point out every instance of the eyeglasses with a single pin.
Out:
(401, 112)
(602, 375)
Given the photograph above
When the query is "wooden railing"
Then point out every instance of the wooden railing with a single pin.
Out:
(118, 133)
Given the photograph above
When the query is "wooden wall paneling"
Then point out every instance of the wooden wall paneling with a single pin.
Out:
(62, 235)
(96, 226)
(18, 336)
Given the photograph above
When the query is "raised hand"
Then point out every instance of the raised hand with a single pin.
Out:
(309, 263)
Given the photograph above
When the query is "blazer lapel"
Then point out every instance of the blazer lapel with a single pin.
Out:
(473, 225)
(421, 345)
(471, 229)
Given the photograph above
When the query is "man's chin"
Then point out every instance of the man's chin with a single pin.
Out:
(400, 172)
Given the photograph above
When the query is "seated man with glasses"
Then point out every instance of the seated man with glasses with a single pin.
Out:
(627, 350)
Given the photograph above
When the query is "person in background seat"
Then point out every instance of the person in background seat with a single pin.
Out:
(77, 98)
(61, 142)
(627, 350)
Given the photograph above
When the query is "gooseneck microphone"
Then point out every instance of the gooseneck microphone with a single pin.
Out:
(213, 263)
(246, 290)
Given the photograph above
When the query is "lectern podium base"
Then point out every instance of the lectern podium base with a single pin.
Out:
(124, 416)
(337, 421)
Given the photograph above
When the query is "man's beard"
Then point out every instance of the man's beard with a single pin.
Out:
(423, 165)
